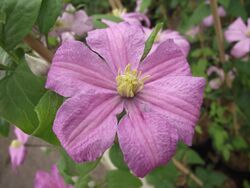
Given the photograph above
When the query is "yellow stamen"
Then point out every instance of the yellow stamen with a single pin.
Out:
(119, 12)
(248, 33)
(129, 83)
(16, 144)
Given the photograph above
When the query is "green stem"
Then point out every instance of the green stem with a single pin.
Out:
(218, 29)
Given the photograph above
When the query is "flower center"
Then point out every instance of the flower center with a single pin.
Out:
(248, 33)
(129, 83)
(119, 12)
(16, 144)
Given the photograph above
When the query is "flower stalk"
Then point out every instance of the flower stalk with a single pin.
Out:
(37, 46)
(218, 29)
(186, 171)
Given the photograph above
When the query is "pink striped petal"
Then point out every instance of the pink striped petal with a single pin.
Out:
(177, 98)
(119, 45)
(21, 136)
(76, 68)
(17, 156)
(241, 48)
(86, 124)
(236, 31)
(146, 139)
(166, 60)
(82, 23)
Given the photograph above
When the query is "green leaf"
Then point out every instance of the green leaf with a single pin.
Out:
(209, 177)
(71, 168)
(48, 14)
(144, 5)
(235, 8)
(4, 128)
(20, 93)
(116, 157)
(150, 41)
(239, 143)
(82, 182)
(225, 3)
(193, 158)
(46, 111)
(97, 20)
(122, 179)
(198, 69)
(20, 17)
(164, 176)
(200, 12)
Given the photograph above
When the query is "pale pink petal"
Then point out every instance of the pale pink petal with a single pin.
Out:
(218, 71)
(50, 180)
(21, 136)
(179, 99)
(86, 124)
(166, 60)
(241, 48)
(82, 23)
(221, 11)
(236, 31)
(192, 32)
(178, 39)
(136, 18)
(208, 21)
(17, 156)
(119, 45)
(76, 68)
(43, 180)
(146, 139)
(66, 36)
(215, 83)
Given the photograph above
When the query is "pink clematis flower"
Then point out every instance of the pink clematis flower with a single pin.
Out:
(161, 99)
(216, 82)
(162, 36)
(193, 31)
(132, 17)
(17, 149)
(209, 21)
(72, 23)
(50, 180)
(239, 32)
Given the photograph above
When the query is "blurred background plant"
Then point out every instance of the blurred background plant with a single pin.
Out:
(220, 155)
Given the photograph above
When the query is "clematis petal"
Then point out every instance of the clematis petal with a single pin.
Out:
(166, 60)
(178, 39)
(146, 139)
(179, 99)
(42, 180)
(86, 124)
(17, 156)
(136, 18)
(76, 68)
(236, 31)
(59, 181)
(82, 23)
(241, 48)
(208, 21)
(50, 180)
(119, 45)
(21, 136)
